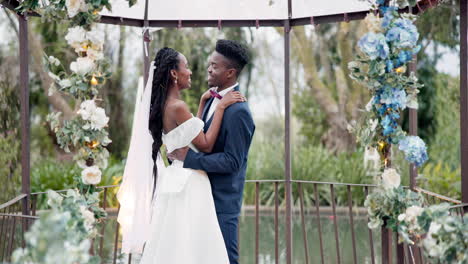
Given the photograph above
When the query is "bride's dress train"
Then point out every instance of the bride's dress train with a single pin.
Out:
(184, 227)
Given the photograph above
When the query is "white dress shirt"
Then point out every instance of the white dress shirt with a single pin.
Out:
(216, 100)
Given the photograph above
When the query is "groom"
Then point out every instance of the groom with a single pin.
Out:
(227, 164)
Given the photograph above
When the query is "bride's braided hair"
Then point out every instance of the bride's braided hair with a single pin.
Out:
(167, 59)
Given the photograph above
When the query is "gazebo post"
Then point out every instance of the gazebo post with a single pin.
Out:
(24, 102)
(146, 41)
(464, 98)
(413, 170)
(413, 130)
(287, 136)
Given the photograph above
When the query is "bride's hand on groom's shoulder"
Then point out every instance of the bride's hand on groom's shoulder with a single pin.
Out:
(206, 95)
(231, 98)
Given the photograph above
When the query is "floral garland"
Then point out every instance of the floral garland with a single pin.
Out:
(386, 51)
(78, 12)
(62, 235)
(86, 132)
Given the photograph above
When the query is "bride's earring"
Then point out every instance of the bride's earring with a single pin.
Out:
(175, 81)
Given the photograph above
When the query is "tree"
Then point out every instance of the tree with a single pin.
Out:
(113, 99)
(324, 55)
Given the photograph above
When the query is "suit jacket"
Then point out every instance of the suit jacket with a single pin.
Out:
(226, 165)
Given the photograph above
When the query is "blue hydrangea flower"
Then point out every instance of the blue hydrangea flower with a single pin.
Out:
(389, 65)
(414, 149)
(393, 97)
(403, 34)
(374, 45)
(404, 56)
(388, 125)
(388, 15)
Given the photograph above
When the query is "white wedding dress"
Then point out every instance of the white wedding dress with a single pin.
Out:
(184, 226)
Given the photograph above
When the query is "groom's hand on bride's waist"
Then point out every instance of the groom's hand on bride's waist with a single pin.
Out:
(178, 154)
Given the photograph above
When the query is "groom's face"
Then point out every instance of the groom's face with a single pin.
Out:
(218, 70)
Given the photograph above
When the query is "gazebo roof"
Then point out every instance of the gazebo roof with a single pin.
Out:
(233, 10)
(221, 13)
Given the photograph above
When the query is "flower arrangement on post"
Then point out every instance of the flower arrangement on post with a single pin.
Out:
(386, 51)
(63, 234)
(85, 134)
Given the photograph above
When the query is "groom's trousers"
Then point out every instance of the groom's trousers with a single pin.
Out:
(229, 223)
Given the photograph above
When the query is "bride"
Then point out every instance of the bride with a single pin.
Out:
(169, 211)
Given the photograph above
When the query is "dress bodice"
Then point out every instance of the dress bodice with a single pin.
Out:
(182, 135)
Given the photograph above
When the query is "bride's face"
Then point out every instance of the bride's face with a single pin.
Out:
(183, 73)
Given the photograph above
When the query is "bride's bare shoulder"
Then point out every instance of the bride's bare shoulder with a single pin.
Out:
(177, 110)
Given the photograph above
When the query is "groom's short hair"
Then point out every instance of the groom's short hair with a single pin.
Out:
(235, 52)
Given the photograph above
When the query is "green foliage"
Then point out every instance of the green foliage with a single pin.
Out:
(442, 175)
(10, 166)
(48, 174)
(440, 25)
(309, 162)
(63, 234)
(447, 239)
(313, 120)
(385, 205)
(442, 179)
(57, 10)
(10, 148)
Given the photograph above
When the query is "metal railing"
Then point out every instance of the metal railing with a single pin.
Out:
(331, 225)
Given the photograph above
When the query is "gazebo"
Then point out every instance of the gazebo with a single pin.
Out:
(244, 13)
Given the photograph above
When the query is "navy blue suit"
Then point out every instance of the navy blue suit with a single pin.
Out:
(226, 167)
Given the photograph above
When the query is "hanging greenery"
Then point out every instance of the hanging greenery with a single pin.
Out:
(63, 234)
(386, 50)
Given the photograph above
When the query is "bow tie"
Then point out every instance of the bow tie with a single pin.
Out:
(215, 94)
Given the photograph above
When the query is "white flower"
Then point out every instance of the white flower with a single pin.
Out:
(53, 76)
(91, 175)
(54, 199)
(401, 217)
(82, 66)
(373, 124)
(99, 119)
(94, 54)
(371, 159)
(95, 36)
(369, 104)
(431, 246)
(76, 36)
(374, 223)
(373, 23)
(413, 212)
(88, 217)
(54, 61)
(412, 102)
(87, 108)
(95, 115)
(75, 6)
(65, 83)
(72, 193)
(390, 178)
(434, 228)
